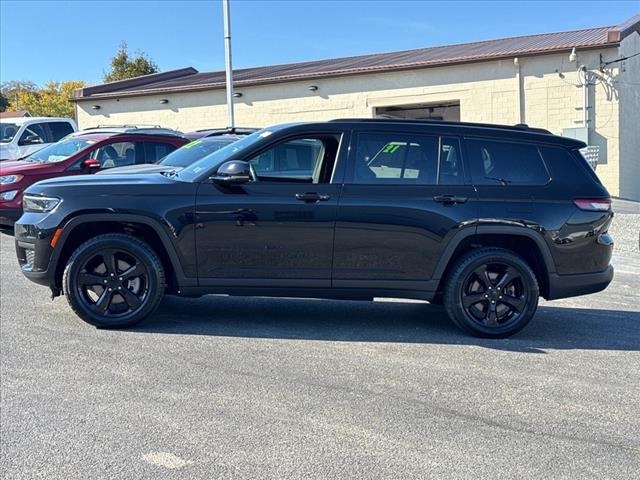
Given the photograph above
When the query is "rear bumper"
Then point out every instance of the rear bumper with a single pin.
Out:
(563, 286)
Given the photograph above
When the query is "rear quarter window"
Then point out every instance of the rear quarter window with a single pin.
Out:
(568, 166)
(505, 163)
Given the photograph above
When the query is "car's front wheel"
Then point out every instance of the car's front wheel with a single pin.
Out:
(114, 281)
(491, 292)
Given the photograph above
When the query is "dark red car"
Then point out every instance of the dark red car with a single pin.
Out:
(81, 153)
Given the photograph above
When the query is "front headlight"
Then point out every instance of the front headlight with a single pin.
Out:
(40, 204)
(8, 196)
(7, 179)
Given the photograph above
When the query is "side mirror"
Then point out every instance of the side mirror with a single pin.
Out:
(233, 172)
(31, 140)
(90, 165)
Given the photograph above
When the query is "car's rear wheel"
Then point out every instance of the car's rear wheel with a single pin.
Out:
(491, 292)
(114, 281)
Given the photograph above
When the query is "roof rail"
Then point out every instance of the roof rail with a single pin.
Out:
(520, 126)
(125, 125)
(136, 129)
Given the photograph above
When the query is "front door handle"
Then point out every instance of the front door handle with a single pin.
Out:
(312, 197)
(449, 199)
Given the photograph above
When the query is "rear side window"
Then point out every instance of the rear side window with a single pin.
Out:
(59, 130)
(505, 163)
(35, 133)
(388, 158)
(154, 151)
(568, 166)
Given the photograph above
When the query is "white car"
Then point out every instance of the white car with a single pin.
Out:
(22, 136)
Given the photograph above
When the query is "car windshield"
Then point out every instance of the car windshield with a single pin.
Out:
(195, 150)
(8, 131)
(59, 151)
(214, 159)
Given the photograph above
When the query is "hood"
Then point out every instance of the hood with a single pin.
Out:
(143, 168)
(116, 184)
(19, 166)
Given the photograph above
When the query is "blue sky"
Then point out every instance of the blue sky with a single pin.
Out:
(74, 40)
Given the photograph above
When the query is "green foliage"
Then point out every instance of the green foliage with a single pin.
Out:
(50, 101)
(4, 103)
(124, 65)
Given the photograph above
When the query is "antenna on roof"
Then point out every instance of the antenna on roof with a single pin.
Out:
(227, 60)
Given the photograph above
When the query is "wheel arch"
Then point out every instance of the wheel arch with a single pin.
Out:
(523, 241)
(83, 227)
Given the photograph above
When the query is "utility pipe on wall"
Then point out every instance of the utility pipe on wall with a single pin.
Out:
(227, 60)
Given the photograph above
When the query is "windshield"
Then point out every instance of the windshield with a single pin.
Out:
(214, 159)
(8, 131)
(195, 150)
(59, 151)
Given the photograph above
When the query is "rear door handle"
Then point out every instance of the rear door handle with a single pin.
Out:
(312, 197)
(449, 199)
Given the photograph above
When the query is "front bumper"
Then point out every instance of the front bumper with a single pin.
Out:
(35, 253)
(563, 286)
(9, 216)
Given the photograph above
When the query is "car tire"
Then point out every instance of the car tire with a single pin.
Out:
(114, 281)
(491, 292)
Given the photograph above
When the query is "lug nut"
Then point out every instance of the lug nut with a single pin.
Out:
(104, 281)
(110, 289)
(113, 274)
(120, 278)
(486, 296)
(119, 288)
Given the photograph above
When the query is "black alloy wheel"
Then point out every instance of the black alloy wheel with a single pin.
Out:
(491, 292)
(114, 281)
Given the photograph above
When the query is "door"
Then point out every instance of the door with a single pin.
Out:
(277, 230)
(406, 195)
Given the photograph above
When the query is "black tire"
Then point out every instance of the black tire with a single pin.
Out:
(491, 292)
(114, 271)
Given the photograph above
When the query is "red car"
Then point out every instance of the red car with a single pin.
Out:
(81, 153)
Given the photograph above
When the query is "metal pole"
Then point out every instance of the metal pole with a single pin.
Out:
(227, 58)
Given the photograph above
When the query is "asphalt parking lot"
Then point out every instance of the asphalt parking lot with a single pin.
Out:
(277, 388)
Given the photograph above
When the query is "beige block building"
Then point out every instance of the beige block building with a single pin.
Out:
(584, 84)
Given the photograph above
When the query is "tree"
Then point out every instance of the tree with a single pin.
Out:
(4, 103)
(125, 66)
(50, 101)
(14, 89)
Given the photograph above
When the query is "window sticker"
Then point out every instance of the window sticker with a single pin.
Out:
(193, 144)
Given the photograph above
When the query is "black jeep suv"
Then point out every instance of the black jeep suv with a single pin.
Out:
(482, 218)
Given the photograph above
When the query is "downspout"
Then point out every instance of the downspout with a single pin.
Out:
(519, 92)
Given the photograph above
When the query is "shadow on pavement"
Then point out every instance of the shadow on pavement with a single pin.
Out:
(348, 321)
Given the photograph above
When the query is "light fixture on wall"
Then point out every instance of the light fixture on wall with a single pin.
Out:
(573, 56)
(164, 101)
(312, 88)
(237, 94)
(95, 107)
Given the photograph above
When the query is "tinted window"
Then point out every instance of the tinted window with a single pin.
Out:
(34, 134)
(504, 163)
(154, 151)
(450, 171)
(117, 154)
(295, 160)
(396, 158)
(59, 130)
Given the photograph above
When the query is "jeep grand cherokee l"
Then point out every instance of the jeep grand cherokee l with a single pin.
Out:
(482, 218)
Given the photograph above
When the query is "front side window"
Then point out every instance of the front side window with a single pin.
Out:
(59, 130)
(33, 134)
(118, 154)
(307, 160)
(505, 163)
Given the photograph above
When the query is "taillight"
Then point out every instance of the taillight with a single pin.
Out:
(593, 204)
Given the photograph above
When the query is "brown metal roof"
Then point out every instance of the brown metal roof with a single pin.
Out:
(191, 79)
(16, 114)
